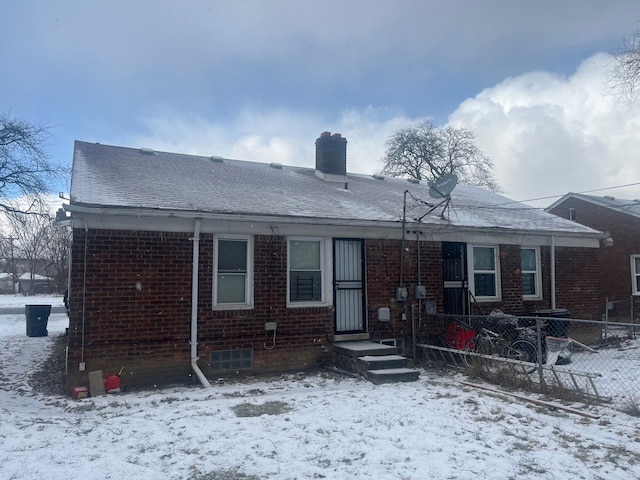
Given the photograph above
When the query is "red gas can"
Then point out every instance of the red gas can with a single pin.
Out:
(111, 383)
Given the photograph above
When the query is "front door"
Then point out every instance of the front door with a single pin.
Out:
(454, 267)
(348, 281)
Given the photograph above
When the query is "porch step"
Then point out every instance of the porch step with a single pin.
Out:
(376, 362)
(381, 362)
(361, 349)
(391, 375)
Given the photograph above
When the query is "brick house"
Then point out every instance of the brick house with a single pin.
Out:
(619, 261)
(187, 265)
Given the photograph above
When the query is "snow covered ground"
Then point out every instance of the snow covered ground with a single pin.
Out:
(296, 426)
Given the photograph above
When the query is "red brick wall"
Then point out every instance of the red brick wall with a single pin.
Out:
(136, 313)
(615, 268)
(137, 309)
(301, 335)
(383, 278)
(511, 278)
(577, 287)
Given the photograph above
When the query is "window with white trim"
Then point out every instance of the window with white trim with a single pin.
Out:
(530, 269)
(233, 271)
(635, 274)
(484, 278)
(305, 266)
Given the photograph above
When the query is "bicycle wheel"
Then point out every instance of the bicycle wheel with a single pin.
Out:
(469, 348)
(478, 352)
(524, 351)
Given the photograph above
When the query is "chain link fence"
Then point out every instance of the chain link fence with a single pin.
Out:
(570, 358)
(620, 312)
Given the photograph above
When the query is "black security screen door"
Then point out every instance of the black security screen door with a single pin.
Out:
(454, 267)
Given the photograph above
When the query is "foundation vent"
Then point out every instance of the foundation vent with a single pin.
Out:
(224, 360)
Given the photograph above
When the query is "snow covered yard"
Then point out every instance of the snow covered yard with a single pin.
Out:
(296, 426)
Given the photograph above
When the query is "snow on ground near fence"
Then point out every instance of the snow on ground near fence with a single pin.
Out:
(297, 426)
(615, 367)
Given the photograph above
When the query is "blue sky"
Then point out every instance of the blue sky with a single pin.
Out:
(259, 80)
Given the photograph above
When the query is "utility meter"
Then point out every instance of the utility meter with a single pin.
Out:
(401, 294)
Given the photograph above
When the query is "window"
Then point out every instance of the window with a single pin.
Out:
(635, 274)
(306, 258)
(233, 272)
(530, 268)
(484, 278)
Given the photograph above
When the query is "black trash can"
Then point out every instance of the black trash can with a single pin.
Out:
(37, 319)
(556, 328)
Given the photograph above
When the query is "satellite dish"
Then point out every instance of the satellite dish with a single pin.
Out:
(443, 186)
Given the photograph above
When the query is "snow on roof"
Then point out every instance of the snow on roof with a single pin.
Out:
(121, 177)
(27, 276)
(629, 207)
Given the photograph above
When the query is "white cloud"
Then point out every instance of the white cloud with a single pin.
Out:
(549, 135)
(282, 136)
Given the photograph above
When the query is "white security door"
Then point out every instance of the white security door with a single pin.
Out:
(348, 273)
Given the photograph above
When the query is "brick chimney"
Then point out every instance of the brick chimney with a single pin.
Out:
(331, 157)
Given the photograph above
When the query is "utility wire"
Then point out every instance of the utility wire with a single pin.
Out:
(580, 193)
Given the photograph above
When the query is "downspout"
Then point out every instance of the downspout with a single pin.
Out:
(404, 224)
(553, 271)
(84, 293)
(194, 306)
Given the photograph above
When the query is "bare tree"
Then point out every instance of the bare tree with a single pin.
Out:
(25, 167)
(8, 257)
(626, 72)
(40, 245)
(56, 253)
(427, 152)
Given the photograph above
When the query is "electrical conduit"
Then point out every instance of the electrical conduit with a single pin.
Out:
(194, 306)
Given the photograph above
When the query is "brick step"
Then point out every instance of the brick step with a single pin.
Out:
(391, 375)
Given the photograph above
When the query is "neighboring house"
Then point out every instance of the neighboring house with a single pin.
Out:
(620, 260)
(6, 283)
(187, 264)
(56, 281)
(35, 284)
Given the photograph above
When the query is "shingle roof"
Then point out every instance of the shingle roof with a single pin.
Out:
(629, 207)
(120, 177)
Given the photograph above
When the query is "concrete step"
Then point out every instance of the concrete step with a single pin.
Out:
(380, 362)
(361, 349)
(392, 375)
(377, 362)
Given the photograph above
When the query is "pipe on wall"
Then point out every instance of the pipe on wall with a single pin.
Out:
(84, 293)
(553, 271)
(194, 306)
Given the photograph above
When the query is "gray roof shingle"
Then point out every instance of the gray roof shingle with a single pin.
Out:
(628, 207)
(121, 177)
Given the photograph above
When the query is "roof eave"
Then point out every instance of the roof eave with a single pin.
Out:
(426, 228)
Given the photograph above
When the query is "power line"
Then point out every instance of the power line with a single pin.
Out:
(558, 196)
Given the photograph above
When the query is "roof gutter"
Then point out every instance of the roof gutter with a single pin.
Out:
(436, 228)
(194, 306)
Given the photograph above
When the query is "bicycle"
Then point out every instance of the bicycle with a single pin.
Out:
(481, 352)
